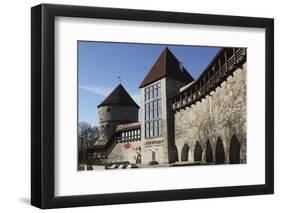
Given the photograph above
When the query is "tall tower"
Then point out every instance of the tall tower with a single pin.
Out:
(117, 108)
(164, 80)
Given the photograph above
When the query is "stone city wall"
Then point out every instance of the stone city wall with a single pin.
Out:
(220, 116)
(125, 152)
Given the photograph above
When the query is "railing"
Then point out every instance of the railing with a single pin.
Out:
(103, 152)
(240, 53)
(109, 148)
(217, 78)
(231, 62)
(115, 140)
(128, 139)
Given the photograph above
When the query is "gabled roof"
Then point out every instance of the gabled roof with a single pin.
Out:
(166, 65)
(119, 96)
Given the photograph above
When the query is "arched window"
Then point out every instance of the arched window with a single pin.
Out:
(234, 150)
(209, 152)
(198, 152)
(184, 152)
(220, 157)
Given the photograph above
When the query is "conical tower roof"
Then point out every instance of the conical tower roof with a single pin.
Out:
(166, 65)
(119, 96)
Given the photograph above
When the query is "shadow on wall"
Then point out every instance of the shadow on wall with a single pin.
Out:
(219, 157)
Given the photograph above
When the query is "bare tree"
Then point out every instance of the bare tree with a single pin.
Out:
(87, 136)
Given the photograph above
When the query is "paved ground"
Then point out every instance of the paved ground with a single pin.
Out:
(85, 167)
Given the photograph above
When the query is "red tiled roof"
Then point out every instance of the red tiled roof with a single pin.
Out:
(119, 96)
(166, 65)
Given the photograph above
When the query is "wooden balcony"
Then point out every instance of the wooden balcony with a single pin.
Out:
(214, 80)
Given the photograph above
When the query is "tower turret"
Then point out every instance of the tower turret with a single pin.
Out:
(164, 80)
(117, 108)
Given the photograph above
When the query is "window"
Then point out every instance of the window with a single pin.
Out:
(136, 134)
(126, 135)
(153, 111)
(152, 92)
(156, 127)
(139, 133)
(146, 129)
(151, 132)
(130, 135)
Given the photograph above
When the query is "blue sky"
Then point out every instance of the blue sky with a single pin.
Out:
(100, 64)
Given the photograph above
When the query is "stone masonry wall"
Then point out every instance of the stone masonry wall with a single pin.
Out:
(222, 114)
(121, 152)
(111, 116)
(169, 87)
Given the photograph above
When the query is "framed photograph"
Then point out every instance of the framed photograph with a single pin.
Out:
(139, 106)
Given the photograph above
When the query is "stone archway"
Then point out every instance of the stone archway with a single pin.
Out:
(138, 160)
(184, 152)
(153, 155)
(198, 152)
(234, 150)
(209, 152)
(220, 156)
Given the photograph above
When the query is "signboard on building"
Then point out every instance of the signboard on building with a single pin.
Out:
(153, 143)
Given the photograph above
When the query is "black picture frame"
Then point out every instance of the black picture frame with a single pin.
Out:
(43, 102)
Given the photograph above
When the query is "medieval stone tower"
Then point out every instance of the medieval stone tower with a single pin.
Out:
(163, 81)
(117, 108)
